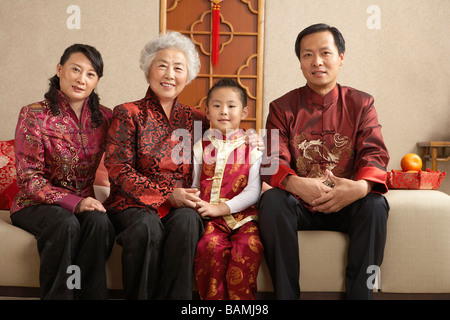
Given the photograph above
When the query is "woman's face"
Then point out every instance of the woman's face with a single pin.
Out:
(77, 78)
(168, 75)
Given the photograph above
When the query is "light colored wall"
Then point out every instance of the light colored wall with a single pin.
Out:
(34, 34)
(404, 64)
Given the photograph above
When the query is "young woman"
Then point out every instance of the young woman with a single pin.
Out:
(59, 145)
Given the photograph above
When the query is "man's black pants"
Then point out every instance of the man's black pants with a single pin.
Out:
(281, 215)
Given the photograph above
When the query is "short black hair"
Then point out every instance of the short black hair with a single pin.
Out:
(228, 83)
(337, 35)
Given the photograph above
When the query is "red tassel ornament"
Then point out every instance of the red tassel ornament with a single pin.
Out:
(215, 32)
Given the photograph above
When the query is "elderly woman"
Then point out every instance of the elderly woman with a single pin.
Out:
(151, 204)
(59, 145)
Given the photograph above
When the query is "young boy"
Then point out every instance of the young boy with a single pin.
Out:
(226, 171)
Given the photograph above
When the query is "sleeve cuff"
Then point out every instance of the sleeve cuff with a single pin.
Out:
(278, 177)
(375, 175)
(70, 202)
(164, 208)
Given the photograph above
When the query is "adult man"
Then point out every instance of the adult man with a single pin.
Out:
(325, 144)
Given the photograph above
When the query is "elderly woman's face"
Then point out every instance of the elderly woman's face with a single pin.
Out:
(168, 75)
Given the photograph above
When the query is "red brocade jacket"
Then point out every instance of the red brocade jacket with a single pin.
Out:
(57, 156)
(308, 133)
(148, 155)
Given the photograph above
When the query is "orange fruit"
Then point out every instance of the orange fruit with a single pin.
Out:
(411, 162)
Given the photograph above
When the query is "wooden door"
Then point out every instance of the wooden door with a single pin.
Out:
(241, 47)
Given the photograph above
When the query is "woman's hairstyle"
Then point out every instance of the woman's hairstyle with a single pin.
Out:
(228, 83)
(94, 101)
(337, 35)
(171, 40)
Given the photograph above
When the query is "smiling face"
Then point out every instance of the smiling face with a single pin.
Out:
(225, 110)
(77, 79)
(168, 75)
(320, 61)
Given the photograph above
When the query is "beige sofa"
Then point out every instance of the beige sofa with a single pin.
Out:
(416, 262)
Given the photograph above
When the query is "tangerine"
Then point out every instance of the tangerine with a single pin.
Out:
(411, 162)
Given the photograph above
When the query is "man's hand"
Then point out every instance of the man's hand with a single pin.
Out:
(184, 198)
(89, 204)
(308, 189)
(345, 192)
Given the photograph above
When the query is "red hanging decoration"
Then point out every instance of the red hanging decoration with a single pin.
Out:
(215, 32)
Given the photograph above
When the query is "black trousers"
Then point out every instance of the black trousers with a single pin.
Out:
(64, 239)
(157, 253)
(281, 215)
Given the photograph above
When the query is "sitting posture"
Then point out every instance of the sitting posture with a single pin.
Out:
(326, 161)
(226, 170)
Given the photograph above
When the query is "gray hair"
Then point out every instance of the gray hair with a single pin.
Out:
(171, 40)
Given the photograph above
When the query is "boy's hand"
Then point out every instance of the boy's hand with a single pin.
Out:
(206, 209)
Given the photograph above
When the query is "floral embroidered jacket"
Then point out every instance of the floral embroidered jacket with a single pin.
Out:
(308, 133)
(57, 156)
(149, 155)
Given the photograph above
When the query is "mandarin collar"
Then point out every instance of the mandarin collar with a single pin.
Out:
(218, 135)
(153, 98)
(323, 102)
(65, 104)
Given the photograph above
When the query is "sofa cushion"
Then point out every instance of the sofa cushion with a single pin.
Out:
(417, 253)
(323, 258)
(19, 264)
(8, 182)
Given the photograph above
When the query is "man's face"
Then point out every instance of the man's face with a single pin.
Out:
(320, 61)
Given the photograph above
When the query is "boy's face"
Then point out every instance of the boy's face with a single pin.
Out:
(225, 110)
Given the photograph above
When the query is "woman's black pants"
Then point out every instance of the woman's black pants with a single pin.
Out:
(73, 250)
(157, 253)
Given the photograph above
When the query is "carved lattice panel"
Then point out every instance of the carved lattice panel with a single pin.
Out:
(241, 47)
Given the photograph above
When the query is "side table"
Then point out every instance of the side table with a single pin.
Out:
(436, 151)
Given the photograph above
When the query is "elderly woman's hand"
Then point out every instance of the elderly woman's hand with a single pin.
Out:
(184, 198)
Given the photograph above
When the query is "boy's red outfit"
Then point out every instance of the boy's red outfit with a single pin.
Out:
(229, 253)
